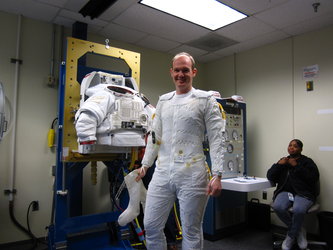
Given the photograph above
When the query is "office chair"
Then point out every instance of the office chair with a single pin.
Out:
(278, 243)
(313, 209)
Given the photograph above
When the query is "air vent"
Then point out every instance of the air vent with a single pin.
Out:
(212, 42)
(94, 8)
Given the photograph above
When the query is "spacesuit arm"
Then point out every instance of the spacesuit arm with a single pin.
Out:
(215, 125)
(154, 139)
(86, 127)
(91, 115)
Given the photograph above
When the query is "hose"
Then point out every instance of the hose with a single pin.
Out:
(19, 226)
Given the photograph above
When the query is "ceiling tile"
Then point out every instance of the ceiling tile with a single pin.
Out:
(64, 21)
(117, 32)
(254, 43)
(253, 6)
(293, 12)
(78, 17)
(159, 24)
(58, 3)
(310, 24)
(75, 5)
(207, 57)
(157, 43)
(212, 42)
(245, 29)
(189, 49)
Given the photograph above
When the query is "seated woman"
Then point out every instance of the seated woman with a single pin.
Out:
(296, 176)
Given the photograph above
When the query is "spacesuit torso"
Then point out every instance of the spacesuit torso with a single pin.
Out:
(114, 118)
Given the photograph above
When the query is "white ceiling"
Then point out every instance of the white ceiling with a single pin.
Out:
(128, 21)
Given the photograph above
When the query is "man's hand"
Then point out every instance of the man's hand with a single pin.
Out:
(141, 172)
(214, 186)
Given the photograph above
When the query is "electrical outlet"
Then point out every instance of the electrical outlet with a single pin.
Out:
(53, 170)
(51, 81)
(35, 206)
(264, 195)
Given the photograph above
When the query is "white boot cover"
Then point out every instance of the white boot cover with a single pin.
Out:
(134, 190)
(143, 195)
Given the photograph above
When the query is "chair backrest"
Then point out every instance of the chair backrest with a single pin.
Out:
(314, 208)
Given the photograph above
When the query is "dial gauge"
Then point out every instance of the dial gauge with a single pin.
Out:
(230, 148)
(231, 165)
(234, 135)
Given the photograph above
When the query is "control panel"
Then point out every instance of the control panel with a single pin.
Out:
(234, 135)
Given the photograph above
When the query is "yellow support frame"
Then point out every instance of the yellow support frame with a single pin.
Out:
(77, 48)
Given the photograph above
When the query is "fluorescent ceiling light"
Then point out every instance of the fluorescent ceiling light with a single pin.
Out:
(210, 14)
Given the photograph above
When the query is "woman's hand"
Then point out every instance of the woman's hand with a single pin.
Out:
(292, 162)
(283, 161)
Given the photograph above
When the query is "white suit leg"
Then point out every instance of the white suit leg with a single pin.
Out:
(158, 206)
(143, 197)
(192, 204)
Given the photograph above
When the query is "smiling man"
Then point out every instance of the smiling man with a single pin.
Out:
(183, 72)
(176, 139)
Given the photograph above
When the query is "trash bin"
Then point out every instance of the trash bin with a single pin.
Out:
(325, 220)
(258, 215)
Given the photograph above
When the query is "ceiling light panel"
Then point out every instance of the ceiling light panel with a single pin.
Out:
(210, 14)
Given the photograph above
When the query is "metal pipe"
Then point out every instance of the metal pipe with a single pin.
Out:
(14, 122)
(52, 51)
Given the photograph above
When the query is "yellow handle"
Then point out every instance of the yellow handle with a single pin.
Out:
(50, 138)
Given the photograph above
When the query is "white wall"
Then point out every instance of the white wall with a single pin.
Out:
(36, 108)
(269, 78)
(278, 106)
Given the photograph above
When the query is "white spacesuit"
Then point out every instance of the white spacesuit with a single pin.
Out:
(177, 135)
(112, 118)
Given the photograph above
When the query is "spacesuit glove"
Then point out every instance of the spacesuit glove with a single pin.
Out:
(141, 172)
(214, 186)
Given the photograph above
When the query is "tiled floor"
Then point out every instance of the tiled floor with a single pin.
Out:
(249, 239)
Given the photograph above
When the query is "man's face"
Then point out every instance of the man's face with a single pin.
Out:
(182, 74)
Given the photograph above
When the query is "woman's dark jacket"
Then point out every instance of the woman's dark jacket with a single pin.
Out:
(304, 177)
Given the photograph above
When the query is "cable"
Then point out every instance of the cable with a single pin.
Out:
(53, 122)
(17, 224)
(179, 227)
(28, 225)
(29, 229)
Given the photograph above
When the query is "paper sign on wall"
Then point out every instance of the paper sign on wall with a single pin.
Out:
(310, 72)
